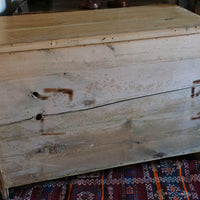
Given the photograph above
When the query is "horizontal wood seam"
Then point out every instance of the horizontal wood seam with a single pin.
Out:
(103, 105)
(49, 42)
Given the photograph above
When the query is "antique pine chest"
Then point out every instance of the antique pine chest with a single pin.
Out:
(83, 91)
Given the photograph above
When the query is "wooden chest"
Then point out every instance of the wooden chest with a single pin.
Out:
(85, 91)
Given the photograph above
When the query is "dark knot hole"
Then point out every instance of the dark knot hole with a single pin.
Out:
(38, 117)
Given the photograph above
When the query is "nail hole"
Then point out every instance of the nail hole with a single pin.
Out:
(38, 117)
(35, 94)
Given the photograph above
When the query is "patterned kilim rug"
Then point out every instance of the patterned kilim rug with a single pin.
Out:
(169, 179)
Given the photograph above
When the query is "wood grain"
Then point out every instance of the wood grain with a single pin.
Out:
(46, 31)
(89, 89)
(30, 64)
(80, 95)
(64, 81)
(129, 132)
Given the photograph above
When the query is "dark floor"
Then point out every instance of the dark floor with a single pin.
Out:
(37, 6)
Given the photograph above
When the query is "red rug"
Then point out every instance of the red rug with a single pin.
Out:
(169, 179)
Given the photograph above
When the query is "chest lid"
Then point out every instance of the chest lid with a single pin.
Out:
(54, 30)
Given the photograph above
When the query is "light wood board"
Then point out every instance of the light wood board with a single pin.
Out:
(80, 95)
(44, 31)
(80, 78)
(128, 132)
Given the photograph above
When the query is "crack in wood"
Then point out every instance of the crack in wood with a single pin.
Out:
(95, 107)
(16, 122)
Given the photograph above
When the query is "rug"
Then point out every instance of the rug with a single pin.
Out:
(168, 179)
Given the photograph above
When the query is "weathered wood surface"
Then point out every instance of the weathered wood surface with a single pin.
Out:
(132, 131)
(78, 78)
(79, 28)
(127, 97)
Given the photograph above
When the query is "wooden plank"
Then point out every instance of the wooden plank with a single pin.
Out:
(123, 133)
(18, 33)
(23, 99)
(62, 60)
(102, 74)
